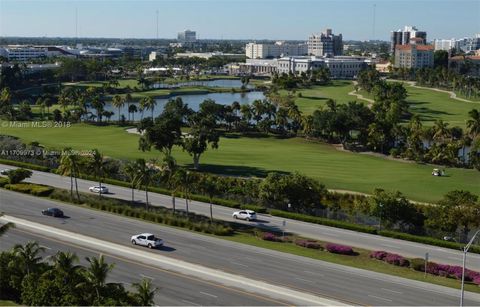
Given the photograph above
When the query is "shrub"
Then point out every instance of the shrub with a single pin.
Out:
(3, 182)
(477, 280)
(379, 255)
(308, 243)
(396, 260)
(268, 236)
(18, 175)
(418, 264)
(339, 249)
(30, 188)
(25, 165)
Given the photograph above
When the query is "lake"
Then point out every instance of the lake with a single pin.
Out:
(193, 101)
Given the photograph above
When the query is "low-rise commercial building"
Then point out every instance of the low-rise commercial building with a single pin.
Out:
(264, 51)
(208, 55)
(413, 55)
(341, 67)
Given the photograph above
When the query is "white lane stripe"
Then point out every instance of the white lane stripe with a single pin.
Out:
(45, 247)
(380, 298)
(393, 291)
(208, 294)
(190, 303)
(314, 273)
(172, 264)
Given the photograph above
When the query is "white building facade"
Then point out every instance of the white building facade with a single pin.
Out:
(341, 67)
(263, 51)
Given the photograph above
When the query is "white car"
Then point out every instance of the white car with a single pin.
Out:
(99, 189)
(247, 215)
(146, 239)
(5, 171)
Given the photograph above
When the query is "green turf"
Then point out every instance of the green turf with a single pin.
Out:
(430, 105)
(7, 303)
(248, 156)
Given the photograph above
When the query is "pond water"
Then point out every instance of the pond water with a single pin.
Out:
(225, 83)
(193, 101)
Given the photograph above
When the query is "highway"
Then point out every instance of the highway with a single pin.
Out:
(173, 288)
(322, 279)
(320, 232)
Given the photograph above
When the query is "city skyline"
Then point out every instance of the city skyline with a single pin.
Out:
(233, 19)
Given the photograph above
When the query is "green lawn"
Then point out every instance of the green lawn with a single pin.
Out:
(429, 104)
(249, 156)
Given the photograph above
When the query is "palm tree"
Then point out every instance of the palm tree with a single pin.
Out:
(97, 167)
(132, 109)
(473, 123)
(132, 173)
(118, 102)
(145, 294)
(128, 99)
(146, 175)
(168, 169)
(65, 262)
(41, 103)
(27, 255)
(70, 166)
(184, 179)
(96, 275)
(5, 227)
(150, 104)
(441, 131)
(210, 186)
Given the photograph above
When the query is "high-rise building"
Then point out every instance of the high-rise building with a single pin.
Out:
(444, 44)
(402, 37)
(468, 44)
(187, 36)
(263, 51)
(325, 44)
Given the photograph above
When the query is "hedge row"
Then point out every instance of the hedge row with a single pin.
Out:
(166, 216)
(25, 165)
(323, 221)
(427, 240)
(30, 188)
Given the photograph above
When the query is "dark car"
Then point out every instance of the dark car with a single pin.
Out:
(55, 212)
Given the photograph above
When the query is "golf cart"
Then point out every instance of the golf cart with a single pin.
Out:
(438, 172)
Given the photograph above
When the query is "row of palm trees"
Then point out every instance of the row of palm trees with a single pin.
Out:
(146, 103)
(89, 284)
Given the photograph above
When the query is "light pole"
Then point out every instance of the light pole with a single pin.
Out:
(465, 250)
(381, 213)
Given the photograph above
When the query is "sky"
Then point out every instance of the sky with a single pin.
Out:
(238, 19)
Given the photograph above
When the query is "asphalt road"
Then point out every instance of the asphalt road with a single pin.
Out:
(320, 278)
(173, 288)
(320, 232)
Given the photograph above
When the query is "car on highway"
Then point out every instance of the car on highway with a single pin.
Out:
(147, 239)
(5, 171)
(98, 189)
(247, 215)
(55, 212)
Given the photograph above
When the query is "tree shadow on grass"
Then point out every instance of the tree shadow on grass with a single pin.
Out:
(314, 97)
(255, 135)
(236, 170)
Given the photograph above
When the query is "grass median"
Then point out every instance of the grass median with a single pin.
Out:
(240, 233)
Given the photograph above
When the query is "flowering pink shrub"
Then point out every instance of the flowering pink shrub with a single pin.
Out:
(396, 260)
(477, 280)
(268, 236)
(308, 243)
(379, 255)
(339, 249)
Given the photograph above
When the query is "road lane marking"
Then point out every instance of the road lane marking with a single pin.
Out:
(45, 247)
(393, 291)
(208, 294)
(380, 298)
(190, 303)
(388, 245)
(314, 273)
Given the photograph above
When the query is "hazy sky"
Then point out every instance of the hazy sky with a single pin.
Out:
(279, 19)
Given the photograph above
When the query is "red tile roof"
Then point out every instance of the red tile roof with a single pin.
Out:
(419, 47)
(461, 58)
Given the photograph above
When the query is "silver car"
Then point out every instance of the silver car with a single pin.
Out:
(146, 239)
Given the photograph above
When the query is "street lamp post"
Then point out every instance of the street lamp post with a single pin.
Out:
(381, 214)
(465, 250)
